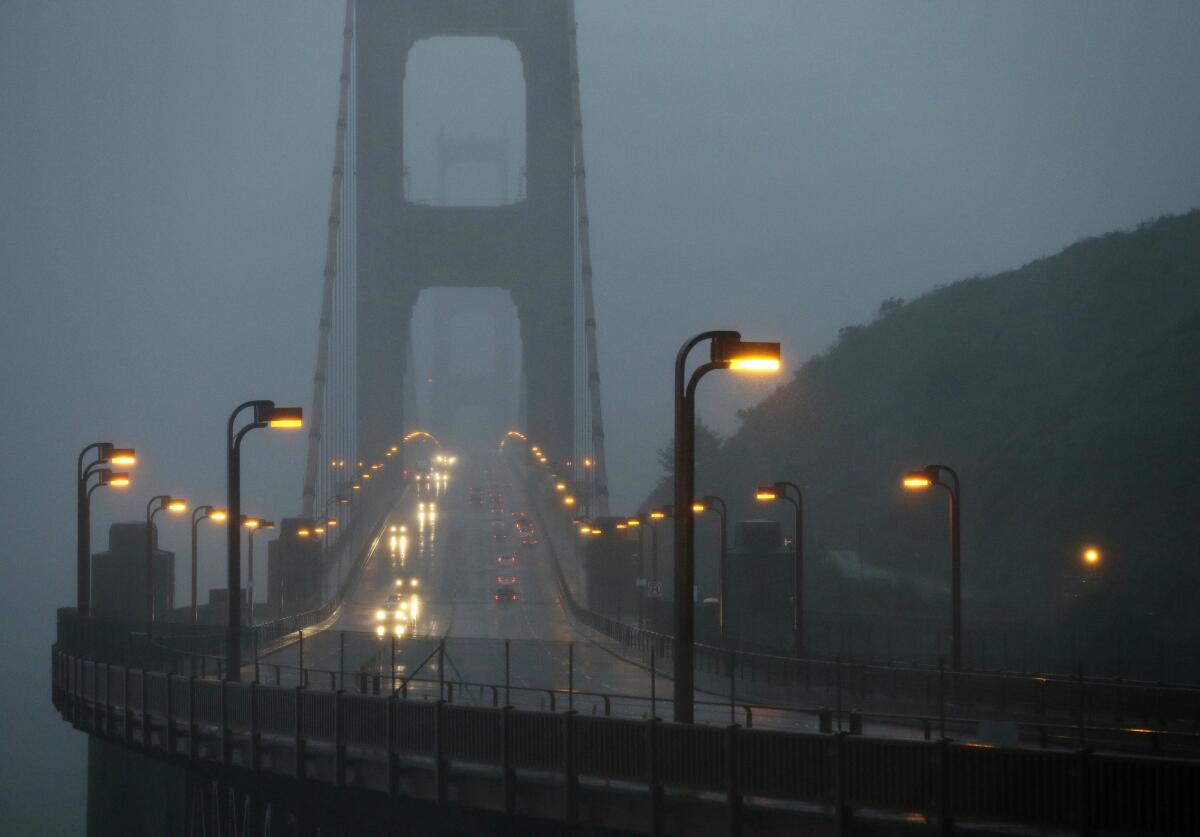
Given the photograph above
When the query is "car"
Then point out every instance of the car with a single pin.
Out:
(505, 593)
(530, 541)
(506, 559)
(392, 617)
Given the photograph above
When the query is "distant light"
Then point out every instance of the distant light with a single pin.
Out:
(118, 480)
(766, 494)
(250, 522)
(1092, 555)
(917, 480)
(633, 521)
(176, 505)
(698, 507)
(302, 533)
(657, 514)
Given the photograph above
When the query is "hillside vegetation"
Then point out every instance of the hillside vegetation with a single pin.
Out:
(1066, 394)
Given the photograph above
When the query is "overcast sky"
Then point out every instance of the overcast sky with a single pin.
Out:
(775, 167)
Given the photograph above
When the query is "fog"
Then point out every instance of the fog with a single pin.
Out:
(775, 167)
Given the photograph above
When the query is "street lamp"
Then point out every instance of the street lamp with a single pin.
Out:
(201, 513)
(157, 503)
(650, 519)
(782, 491)
(927, 477)
(266, 414)
(106, 454)
(253, 524)
(711, 501)
(727, 350)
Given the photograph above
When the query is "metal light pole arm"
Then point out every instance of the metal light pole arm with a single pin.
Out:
(156, 499)
(233, 637)
(718, 505)
(83, 534)
(797, 569)
(954, 489)
(685, 421)
(203, 511)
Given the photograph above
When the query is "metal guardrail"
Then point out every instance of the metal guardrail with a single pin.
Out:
(235, 723)
(1042, 698)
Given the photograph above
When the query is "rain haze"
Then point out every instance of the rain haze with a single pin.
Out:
(780, 168)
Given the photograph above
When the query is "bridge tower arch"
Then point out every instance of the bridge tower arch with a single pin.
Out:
(527, 247)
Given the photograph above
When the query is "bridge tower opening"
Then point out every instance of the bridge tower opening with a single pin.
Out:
(525, 247)
(467, 353)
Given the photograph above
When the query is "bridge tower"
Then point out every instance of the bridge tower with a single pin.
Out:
(527, 248)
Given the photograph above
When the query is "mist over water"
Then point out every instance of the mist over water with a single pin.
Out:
(774, 167)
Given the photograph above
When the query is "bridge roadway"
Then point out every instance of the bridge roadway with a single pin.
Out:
(437, 537)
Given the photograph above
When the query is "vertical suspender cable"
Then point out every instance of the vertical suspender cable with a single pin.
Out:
(599, 469)
(308, 499)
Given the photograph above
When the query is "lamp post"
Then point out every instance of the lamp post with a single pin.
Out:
(266, 414)
(711, 501)
(106, 454)
(653, 517)
(782, 491)
(727, 351)
(157, 503)
(253, 524)
(205, 513)
(928, 476)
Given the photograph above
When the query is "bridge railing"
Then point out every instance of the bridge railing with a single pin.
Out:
(921, 690)
(539, 679)
(174, 716)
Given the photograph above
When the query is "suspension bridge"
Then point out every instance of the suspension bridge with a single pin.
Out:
(435, 653)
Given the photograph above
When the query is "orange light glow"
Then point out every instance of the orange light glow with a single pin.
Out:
(755, 364)
(286, 418)
(1092, 556)
(698, 507)
(176, 505)
(119, 480)
(917, 481)
(218, 515)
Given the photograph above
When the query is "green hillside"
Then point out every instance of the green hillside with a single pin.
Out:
(1067, 395)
